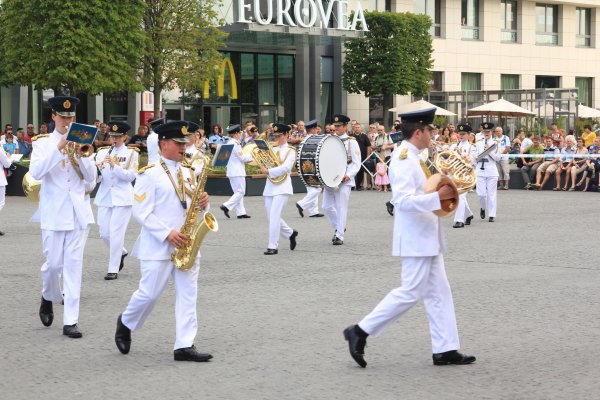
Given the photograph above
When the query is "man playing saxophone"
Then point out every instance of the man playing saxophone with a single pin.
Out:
(277, 194)
(64, 214)
(161, 203)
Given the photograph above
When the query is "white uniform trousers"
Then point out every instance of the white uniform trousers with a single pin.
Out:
(64, 256)
(277, 226)
(463, 210)
(422, 277)
(113, 222)
(2, 195)
(310, 202)
(236, 201)
(335, 207)
(487, 190)
(154, 278)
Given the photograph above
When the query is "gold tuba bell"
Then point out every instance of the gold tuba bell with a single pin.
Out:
(451, 169)
(268, 159)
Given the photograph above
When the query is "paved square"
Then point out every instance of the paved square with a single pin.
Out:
(526, 291)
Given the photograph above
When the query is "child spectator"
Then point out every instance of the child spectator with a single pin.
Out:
(9, 146)
(381, 178)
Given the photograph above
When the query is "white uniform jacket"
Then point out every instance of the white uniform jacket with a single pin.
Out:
(287, 155)
(158, 210)
(236, 166)
(417, 231)
(5, 162)
(115, 183)
(153, 148)
(489, 168)
(467, 151)
(353, 153)
(62, 194)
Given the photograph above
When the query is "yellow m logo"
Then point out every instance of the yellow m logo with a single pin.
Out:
(221, 81)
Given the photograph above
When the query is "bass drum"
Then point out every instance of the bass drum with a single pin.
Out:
(322, 161)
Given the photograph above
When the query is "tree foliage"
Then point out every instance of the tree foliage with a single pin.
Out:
(182, 42)
(393, 58)
(72, 46)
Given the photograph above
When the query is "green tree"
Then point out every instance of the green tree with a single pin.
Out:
(182, 42)
(71, 46)
(393, 58)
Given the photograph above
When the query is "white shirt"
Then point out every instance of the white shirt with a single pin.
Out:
(526, 142)
(503, 142)
(115, 183)
(236, 166)
(353, 152)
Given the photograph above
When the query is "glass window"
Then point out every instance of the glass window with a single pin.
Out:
(285, 88)
(470, 81)
(584, 30)
(376, 112)
(508, 20)
(248, 88)
(266, 79)
(436, 81)
(546, 24)
(509, 81)
(432, 9)
(326, 88)
(585, 90)
(546, 82)
(470, 19)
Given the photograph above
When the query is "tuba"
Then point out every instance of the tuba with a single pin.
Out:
(31, 187)
(268, 159)
(450, 169)
(194, 227)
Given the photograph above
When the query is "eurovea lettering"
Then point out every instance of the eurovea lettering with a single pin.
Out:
(302, 13)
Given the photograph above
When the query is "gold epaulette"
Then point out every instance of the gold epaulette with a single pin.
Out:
(132, 147)
(142, 170)
(351, 138)
(103, 147)
(292, 147)
(36, 137)
(404, 153)
(478, 140)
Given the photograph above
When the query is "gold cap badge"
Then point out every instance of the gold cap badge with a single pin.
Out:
(115, 128)
(274, 129)
(336, 119)
(184, 130)
(67, 104)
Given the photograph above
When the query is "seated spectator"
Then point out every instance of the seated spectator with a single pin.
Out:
(139, 140)
(530, 165)
(298, 135)
(10, 147)
(30, 134)
(567, 152)
(591, 165)
(588, 136)
(23, 146)
(549, 166)
(102, 137)
(579, 164)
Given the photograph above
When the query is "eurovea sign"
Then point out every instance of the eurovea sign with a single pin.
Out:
(302, 13)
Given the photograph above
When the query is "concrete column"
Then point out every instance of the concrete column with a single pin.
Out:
(314, 92)
(19, 100)
(302, 78)
(95, 108)
(339, 94)
(134, 105)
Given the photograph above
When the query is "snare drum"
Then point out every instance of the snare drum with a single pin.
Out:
(322, 161)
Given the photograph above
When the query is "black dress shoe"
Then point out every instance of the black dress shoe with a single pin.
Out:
(390, 208)
(491, 219)
(337, 242)
(1, 233)
(356, 345)
(468, 220)
(270, 252)
(458, 225)
(122, 262)
(46, 312)
(243, 216)
(300, 210)
(293, 240)
(359, 189)
(190, 354)
(452, 357)
(111, 276)
(122, 337)
(72, 331)
(482, 213)
(318, 215)
(225, 210)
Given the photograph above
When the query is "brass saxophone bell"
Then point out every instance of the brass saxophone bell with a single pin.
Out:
(31, 187)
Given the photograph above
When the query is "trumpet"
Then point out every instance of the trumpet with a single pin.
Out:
(74, 151)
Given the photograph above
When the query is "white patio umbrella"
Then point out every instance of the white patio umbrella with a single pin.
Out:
(547, 110)
(587, 112)
(501, 108)
(420, 105)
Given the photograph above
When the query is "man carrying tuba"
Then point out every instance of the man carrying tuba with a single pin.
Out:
(468, 152)
(64, 212)
(160, 206)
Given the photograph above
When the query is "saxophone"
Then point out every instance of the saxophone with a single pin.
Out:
(195, 228)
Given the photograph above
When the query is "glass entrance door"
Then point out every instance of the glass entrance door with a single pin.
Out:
(222, 115)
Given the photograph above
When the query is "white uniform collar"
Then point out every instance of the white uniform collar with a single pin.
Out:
(411, 147)
(169, 163)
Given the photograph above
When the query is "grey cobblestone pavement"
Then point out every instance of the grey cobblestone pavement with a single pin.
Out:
(525, 290)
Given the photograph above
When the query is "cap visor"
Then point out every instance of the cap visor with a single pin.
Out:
(181, 140)
(65, 113)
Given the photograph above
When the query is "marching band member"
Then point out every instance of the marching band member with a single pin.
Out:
(236, 172)
(310, 202)
(160, 208)
(118, 165)
(192, 148)
(419, 240)
(152, 140)
(5, 162)
(276, 195)
(487, 174)
(467, 151)
(335, 201)
(64, 214)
